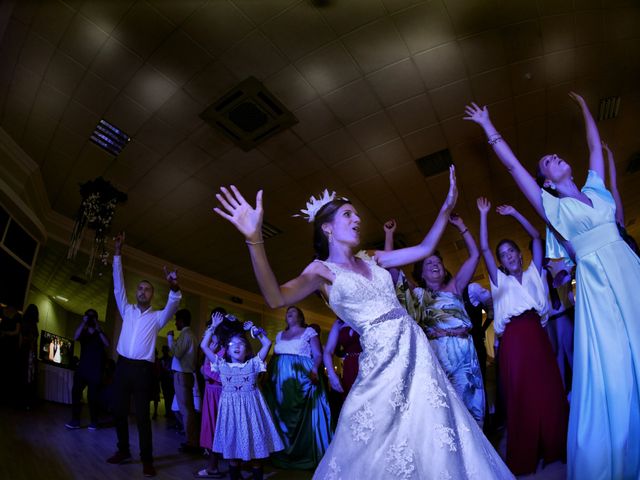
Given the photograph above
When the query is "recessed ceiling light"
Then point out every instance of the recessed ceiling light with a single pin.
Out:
(61, 298)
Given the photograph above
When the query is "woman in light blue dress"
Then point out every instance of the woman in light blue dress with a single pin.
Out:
(604, 423)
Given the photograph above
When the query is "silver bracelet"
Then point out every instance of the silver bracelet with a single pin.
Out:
(248, 242)
(493, 139)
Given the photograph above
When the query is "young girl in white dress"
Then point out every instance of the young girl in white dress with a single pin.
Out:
(244, 428)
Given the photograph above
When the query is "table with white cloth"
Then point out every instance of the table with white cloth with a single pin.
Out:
(54, 383)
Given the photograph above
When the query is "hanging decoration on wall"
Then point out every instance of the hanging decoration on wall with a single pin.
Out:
(99, 201)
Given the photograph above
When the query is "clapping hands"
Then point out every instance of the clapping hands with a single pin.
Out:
(484, 205)
(476, 114)
(577, 98)
(390, 226)
(452, 195)
(216, 319)
(172, 278)
(456, 221)
(506, 210)
(253, 330)
(118, 241)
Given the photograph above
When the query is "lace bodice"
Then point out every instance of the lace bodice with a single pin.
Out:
(295, 346)
(360, 301)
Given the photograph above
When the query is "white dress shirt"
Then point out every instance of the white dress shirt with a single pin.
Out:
(184, 351)
(510, 298)
(139, 329)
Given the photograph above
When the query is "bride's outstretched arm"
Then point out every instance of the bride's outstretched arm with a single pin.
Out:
(248, 221)
(404, 256)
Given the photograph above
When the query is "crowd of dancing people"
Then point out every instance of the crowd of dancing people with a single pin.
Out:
(417, 343)
(409, 397)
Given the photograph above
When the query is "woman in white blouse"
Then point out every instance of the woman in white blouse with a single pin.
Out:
(297, 395)
(537, 410)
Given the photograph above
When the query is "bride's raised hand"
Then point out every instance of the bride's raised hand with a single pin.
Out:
(247, 219)
(452, 195)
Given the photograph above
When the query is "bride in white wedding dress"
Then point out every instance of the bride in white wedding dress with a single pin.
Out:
(402, 418)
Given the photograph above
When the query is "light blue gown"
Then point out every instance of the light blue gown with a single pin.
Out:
(604, 422)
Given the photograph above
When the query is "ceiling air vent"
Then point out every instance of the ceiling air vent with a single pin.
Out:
(249, 114)
(109, 137)
(269, 231)
(609, 108)
(435, 163)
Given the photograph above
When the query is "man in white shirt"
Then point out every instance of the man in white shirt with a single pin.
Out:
(136, 357)
(184, 351)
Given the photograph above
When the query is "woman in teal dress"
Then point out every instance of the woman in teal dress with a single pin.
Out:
(438, 307)
(604, 422)
(297, 395)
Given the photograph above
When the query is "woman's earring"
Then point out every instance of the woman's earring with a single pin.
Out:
(330, 237)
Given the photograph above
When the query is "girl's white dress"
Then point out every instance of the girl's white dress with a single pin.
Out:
(244, 428)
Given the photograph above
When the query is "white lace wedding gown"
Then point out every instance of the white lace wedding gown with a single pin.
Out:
(402, 418)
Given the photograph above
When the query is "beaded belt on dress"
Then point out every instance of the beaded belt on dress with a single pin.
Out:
(591, 240)
(460, 332)
(391, 314)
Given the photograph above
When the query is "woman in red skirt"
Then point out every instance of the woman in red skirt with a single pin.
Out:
(536, 404)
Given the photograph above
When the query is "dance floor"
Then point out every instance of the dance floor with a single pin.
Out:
(36, 445)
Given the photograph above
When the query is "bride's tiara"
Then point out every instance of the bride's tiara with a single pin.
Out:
(315, 204)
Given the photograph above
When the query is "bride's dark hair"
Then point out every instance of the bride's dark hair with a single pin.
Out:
(325, 215)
